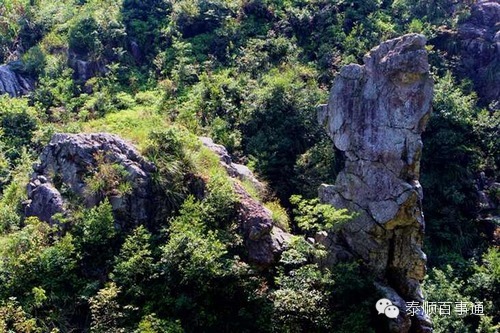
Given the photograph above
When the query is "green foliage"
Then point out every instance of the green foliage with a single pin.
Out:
(195, 252)
(312, 216)
(443, 286)
(84, 37)
(193, 17)
(436, 12)
(217, 100)
(281, 125)
(219, 203)
(317, 165)
(18, 122)
(248, 74)
(483, 286)
(309, 298)
(108, 179)
(33, 61)
(167, 151)
(144, 21)
(450, 197)
(151, 324)
(279, 215)
(98, 225)
(14, 193)
(301, 300)
(14, 319)
(105, 310)
(55, 92)
(134, 264)
(177, 62)
(39, 269)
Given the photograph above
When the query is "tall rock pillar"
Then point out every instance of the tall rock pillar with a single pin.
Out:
(375, 114)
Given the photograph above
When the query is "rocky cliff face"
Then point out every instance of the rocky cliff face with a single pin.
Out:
(87, 168)
(479, 39)
(375, 115)
(476, 45)
(12, 83)
(71, 162)
(264, 241)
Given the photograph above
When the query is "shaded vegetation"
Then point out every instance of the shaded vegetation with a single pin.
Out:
(248, 74)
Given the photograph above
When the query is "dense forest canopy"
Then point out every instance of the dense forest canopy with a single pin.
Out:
(248, 74)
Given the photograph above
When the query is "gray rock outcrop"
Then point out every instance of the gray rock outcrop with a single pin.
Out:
(71, 164)
(479, 38)
(475, 46)
(375, 115)
(67, 165)
(234, 170)
(84, 69)
(264, 241)
(12, 83)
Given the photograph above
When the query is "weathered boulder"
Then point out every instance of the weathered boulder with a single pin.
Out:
(375, 115)
(73, 166)
(68, 165)
(264, 241)
(13, 83)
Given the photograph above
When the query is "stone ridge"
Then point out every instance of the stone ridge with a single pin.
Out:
(375, 115)
(264, 241)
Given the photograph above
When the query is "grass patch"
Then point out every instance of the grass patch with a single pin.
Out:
(279, 214)
(133, 124)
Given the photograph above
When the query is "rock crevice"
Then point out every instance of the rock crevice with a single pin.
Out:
(375, 115)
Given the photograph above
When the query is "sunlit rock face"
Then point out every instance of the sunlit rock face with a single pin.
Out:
(68, 163)
(375, 115)
(264, 240)
(12, 83)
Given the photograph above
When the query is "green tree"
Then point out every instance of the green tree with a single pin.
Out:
(135, 263)
(281, 125)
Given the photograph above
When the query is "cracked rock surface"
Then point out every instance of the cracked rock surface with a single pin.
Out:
(264, 240)
(375, 114)
(12, 83)
(63, 174)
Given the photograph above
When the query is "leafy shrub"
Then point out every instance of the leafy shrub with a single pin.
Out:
(13, 318)
(18, 123)
(109, 178)
(152, 324)
(281, 125)
(105, 310)
(442, 286)
(279, 214)
(34, 61)
(84, 37)
(98, 224)
(312, 216)
(134, 264)
(450, 200)
(144, 21)
(219, 203)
